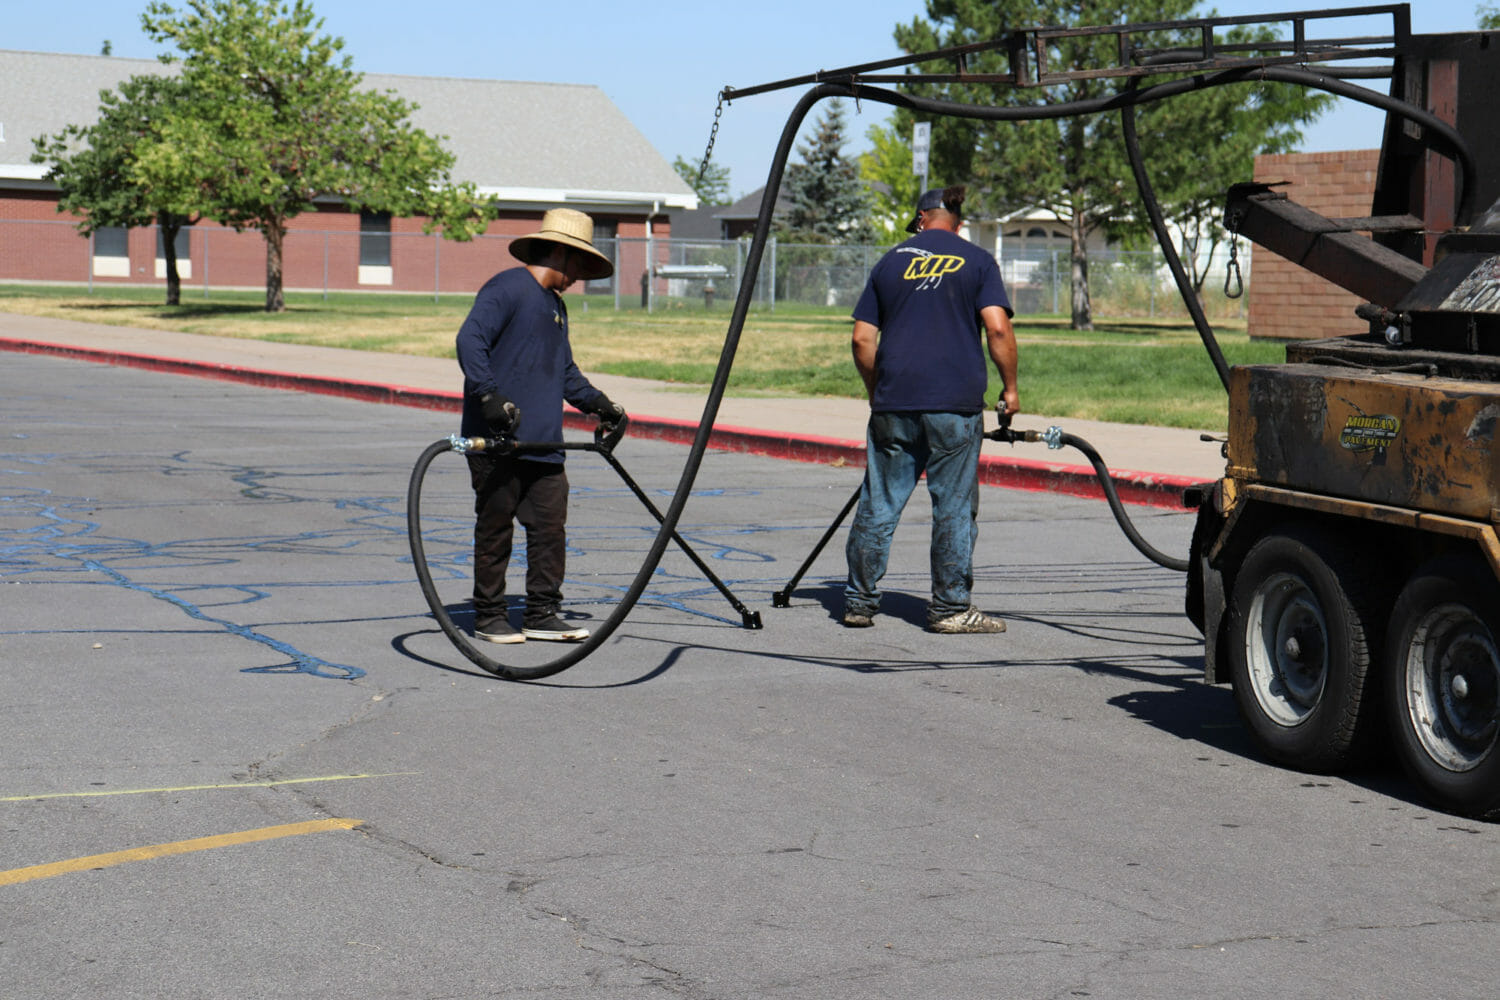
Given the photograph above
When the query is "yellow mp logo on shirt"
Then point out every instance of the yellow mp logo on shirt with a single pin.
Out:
(932, 267)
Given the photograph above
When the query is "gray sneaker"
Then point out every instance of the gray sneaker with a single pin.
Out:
(965, 622)
(858, 619)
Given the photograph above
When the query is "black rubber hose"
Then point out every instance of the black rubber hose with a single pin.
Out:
(424, 574)
(750, 619)
(1449, 142)
(1118, 509)
(1436, 133)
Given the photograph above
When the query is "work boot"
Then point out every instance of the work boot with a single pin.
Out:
(971, 621)
(858, 619)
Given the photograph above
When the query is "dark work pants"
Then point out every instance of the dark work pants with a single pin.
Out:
(507, 490)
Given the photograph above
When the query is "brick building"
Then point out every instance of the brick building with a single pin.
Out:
(1286, 301)
(531, 146)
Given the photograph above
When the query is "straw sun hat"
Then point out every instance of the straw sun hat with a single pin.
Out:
(570, 228)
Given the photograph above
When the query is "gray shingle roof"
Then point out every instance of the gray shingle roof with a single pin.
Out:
(40, 93)
(748, 207)
(527, 142)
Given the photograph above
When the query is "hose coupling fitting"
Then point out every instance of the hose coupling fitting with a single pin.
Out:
(1053, 437)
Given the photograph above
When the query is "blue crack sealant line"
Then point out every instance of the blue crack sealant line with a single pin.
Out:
(300, 662)
(58, 535)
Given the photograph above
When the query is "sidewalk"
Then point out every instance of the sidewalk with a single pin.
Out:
(1149, 465)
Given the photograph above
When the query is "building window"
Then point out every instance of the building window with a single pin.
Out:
(375, 248)
(183, 246)
(112, 252)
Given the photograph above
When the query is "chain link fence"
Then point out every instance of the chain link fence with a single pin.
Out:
(1130, 284)
(650, 274)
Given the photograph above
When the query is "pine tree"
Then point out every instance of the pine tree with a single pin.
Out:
(827, 198)
(711, 186)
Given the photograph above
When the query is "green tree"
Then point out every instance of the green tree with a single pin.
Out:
(1076, 167)
(1489, 17)
(274, 118)
(893, 188)
(826, 199)
(711, 187)
(95, 167)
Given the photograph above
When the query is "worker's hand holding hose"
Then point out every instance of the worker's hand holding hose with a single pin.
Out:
(607, 410)
(500, 413)
(1005, 409)
(1007, 406)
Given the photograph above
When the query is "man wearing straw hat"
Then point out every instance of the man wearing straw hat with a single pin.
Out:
(518, 370)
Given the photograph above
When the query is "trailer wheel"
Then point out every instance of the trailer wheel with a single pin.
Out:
(1444, 684)
(1298, 650)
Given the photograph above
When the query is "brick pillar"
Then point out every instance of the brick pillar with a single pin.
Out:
(1287, 302)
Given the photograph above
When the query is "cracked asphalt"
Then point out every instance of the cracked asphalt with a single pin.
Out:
(211, 628)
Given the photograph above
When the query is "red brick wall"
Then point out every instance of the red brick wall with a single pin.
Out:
(1286, 301)
(39, 244)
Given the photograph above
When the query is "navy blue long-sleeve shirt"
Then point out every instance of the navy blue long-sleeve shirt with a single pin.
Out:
(515, 342)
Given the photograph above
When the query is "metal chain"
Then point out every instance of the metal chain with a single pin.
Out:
(713, 134)
(1232, 269)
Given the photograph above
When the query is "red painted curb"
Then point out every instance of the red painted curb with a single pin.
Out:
(1141, 488)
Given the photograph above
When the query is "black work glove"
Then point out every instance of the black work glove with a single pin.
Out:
(608, 411)
(500, 413)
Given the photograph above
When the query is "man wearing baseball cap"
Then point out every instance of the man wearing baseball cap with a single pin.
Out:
(518, 371)
(917, 345)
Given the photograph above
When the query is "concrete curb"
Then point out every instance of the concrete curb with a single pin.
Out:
(1140, 488)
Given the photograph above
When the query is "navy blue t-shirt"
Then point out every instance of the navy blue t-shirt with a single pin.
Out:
(925, 295)
(515, 342)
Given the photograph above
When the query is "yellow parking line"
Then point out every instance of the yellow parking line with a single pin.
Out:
(18, 875)
(203, 788)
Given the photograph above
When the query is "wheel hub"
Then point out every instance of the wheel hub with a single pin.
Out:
(1288, 648)
(1466, 710)
(1453, 680)
(1460, 686)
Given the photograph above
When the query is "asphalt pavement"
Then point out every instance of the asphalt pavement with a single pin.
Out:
(238, 759)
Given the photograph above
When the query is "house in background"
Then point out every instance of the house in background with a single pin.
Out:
(697, 223)
(1027, 231)
(738, 219)
(532, 146)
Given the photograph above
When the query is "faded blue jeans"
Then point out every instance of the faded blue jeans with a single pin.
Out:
(900, 447)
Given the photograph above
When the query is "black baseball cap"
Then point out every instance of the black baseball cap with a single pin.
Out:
(926, 203)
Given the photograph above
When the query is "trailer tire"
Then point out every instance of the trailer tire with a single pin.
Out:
(1443, 684)
(1300, 621)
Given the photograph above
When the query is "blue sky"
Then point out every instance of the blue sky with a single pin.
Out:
(663, 66)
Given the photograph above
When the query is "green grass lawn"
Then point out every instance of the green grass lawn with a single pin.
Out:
(1129, 371)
